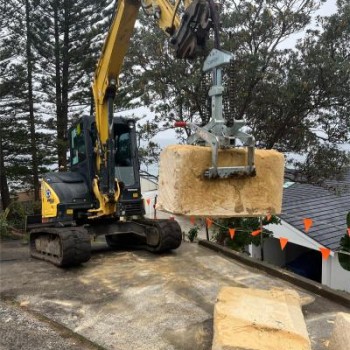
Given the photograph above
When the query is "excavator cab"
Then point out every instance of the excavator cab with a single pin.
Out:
(83, 138)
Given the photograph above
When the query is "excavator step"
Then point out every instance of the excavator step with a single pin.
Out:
(63, 247)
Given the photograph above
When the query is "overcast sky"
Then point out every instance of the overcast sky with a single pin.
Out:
(326, 9)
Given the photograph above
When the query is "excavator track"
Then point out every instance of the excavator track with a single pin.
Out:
(63, 247)
(156, 236)
(170, 235)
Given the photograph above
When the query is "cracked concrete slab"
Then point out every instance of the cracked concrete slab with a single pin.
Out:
(137, 300)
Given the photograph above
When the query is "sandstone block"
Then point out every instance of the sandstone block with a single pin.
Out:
(340, 339)
(259, 320)
(184, 191)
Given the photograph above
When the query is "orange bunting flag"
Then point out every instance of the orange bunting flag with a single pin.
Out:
(325, 253)
(209, 222)
(349, 231)
(307, 224)
(192, 220)
(256, 232)
(283, 242)
(232, 232)
(148, 201)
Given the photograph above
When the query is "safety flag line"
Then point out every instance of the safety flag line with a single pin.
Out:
(209, 222)
(307, 224)
(325, 253)
(256, 232)
(283, 242)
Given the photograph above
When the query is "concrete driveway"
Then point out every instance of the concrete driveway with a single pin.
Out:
(129, 300)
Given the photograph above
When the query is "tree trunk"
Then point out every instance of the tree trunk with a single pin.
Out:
(65, 74)
(33, 148)
(4, 188)
(61, 149)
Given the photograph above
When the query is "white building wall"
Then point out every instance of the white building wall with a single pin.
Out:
(149, 198)
(333, 275)
(273, 252)
(148, 185)
(254, 251)
(293, 235)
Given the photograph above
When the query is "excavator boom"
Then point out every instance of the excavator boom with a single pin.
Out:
(187, 37)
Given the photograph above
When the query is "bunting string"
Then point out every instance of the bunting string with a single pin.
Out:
(308, 224)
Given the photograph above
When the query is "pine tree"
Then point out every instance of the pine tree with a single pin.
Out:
(5, 56)
(26, 144)
(66, 43)
(14, 136)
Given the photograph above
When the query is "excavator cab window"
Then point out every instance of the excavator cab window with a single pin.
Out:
(124, 169)
(77, 142)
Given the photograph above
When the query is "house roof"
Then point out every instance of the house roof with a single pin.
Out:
(327, 208)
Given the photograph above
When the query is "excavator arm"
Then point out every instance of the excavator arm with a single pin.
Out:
(115, 48)
(187, 37)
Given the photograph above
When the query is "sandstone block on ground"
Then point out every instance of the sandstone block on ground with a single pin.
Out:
(340, 339)
(259, 320)
(184, 191)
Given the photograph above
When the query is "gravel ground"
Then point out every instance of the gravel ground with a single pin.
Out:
(19, 329)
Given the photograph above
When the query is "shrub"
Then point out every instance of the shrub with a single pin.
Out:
(193, 233)
(4, 223)
(243, 227)
(15, 215)
(344, 258)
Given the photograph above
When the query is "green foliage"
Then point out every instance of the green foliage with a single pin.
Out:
(47, 59)
(344, 259)
(14, 215)
(284, 94)
(4, 223)
(243, 227)
(193, 233)
(17, 214)
(168, 86)
(148, 150)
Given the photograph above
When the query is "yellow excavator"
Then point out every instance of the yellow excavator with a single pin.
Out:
(101, 193)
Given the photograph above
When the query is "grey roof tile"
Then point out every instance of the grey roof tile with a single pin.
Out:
(327, 209)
